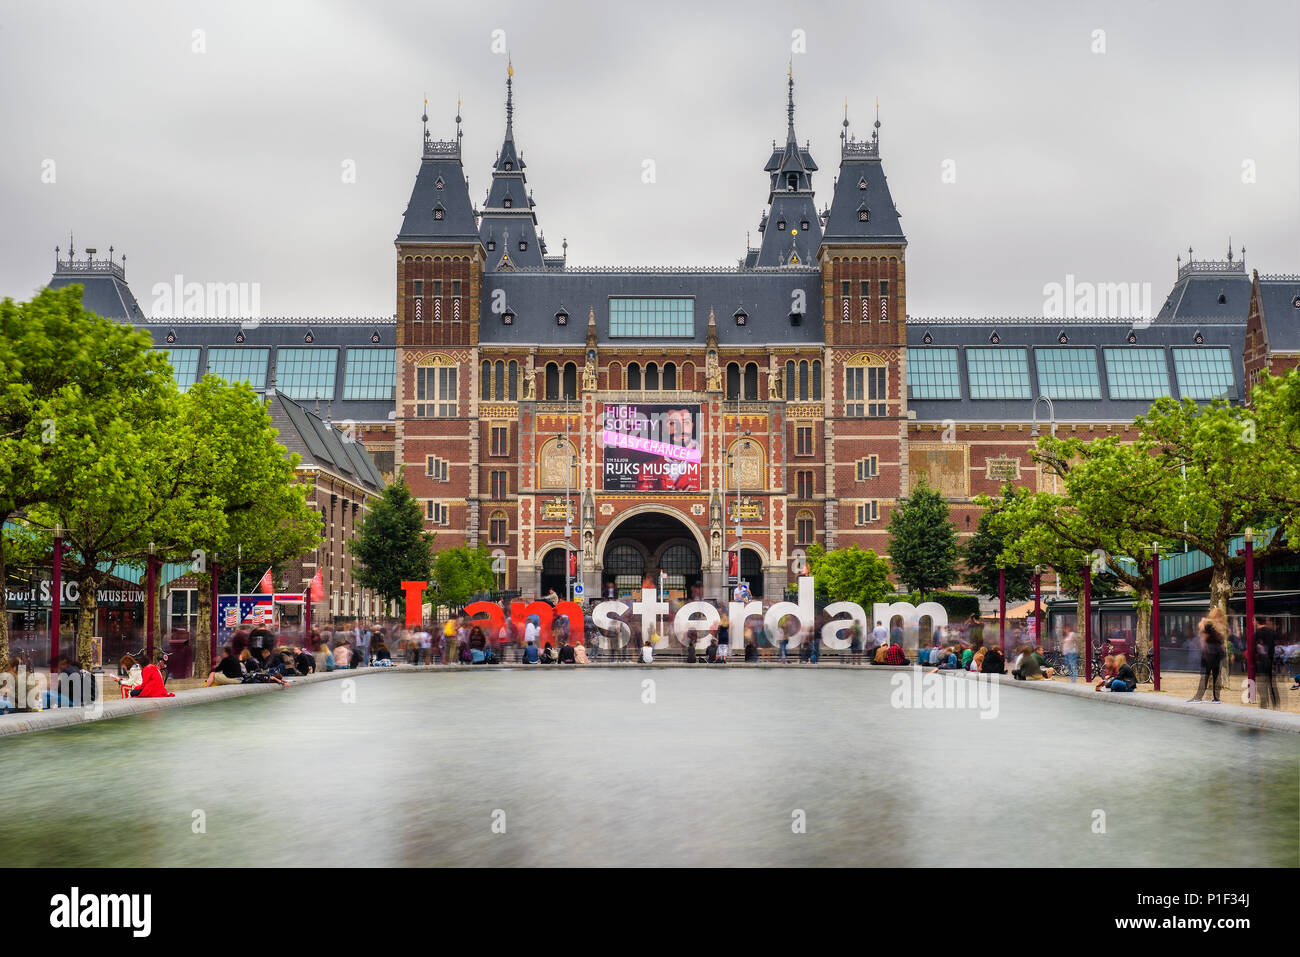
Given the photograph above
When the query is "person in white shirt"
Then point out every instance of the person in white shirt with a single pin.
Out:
(879, 635)
(533, 630)
(648, 652)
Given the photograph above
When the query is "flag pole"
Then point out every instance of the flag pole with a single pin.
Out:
(239, 587)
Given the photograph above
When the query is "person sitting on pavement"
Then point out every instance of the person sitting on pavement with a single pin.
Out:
(1125, 679)
(1030, 669)
(548, 655)
(580, 654)
(530, 653)
(567, 656)
(692, 653)
(648, 651)
(894, 654)
(1042, 662)
(711, 653)
(151, 684)
(751, 652)
(977, 662)
(343, 655)
(304, 660)
(133, 676)
(1108, 670)
(948, 660)
(994, 663)
(227, 671)
(881, 652)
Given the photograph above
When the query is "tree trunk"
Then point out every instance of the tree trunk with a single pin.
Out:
(1080, 622)
(203, 630)
(4, 600)
(1142, 634)
(87, 608)
(1220, 588)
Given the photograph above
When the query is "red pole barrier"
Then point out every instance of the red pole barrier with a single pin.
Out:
(151, 596)
(306, 616)
(1087, 623)
(1250, 614)
(1155, 617)
(1038, 609)
(1002, 611)
(212, 643)
(56, 609)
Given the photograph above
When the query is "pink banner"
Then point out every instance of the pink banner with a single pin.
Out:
(678, 452)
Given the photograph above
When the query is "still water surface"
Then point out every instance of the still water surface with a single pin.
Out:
(713, 772)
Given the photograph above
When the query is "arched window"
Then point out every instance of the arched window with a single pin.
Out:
(633, 376)
(615, 373)
(651, 376)
(570, 380)
(512, 381)
(552, 381)
(866, 390)
(688, 376)
(670, 376)
(485, 386)
(751, 381)
(817, 379)
(805, 528)
(499, 385)
(497, 528)
(803, 380)
(790, 380)
(733, 380)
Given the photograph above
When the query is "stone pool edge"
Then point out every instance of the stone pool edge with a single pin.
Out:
(1223, 712)
(117, 708)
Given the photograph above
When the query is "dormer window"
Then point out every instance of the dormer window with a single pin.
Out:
(506, 202)
(523, 245)
(780, 224)
(491, 245)
(509, 165)
(438, 183)
(804, 225)
(864, 214)
(438, 212)
(792, 181)
(862, 183)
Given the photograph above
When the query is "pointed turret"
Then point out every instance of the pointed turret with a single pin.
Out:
(790, 228)
(509, 226)
(440, 210)
(862, 210)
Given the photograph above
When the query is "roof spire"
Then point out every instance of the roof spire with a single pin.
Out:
(789, 108)
(844, 133)
(510, 99)
(875, 133)
(458, 133)
(424, 117)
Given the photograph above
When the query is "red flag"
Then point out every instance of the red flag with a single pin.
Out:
(266, 584)
(317, 588)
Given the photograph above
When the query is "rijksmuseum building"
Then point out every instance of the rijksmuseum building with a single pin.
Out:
(623, 424)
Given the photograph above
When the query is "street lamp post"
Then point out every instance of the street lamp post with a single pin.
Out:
(56, 609)
(1038, 609)
(732, 462)
(1087, 622)
(1155, 615)
(1250, 613)
(151, 588)
(1033, 434)
(1002, 610)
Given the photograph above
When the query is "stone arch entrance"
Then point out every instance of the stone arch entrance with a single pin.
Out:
(647, 543)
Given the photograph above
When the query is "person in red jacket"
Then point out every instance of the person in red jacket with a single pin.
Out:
(151, 684)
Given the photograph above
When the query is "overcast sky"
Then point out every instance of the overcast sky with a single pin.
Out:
(225, 165)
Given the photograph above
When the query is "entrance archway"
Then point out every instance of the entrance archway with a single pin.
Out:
(751, 570)
(645, 545)
(554, 574)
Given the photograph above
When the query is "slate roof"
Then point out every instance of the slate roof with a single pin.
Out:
(765, 295)
(275, 333)
(861, 184)
(1037, 333)
(1280, 306)
(104, 288)
(322, 445)
(441, 164)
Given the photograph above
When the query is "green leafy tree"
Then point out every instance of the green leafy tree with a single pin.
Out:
(391, 545)
(68, 380)
(459, 574)
(240, 492)
(922, 541)
(982, 555)
(849, 575)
